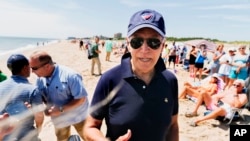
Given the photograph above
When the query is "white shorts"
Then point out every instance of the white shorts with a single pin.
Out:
(228, 109)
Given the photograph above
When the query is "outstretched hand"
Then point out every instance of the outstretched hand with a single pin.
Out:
(125, 137)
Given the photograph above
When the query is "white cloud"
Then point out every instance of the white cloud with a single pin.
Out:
(232, 7)
(21, 20)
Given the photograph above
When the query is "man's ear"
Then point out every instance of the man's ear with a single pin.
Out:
(128, 45)
(162, 46)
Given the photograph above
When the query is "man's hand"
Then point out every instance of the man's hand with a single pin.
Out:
(5, 129)
(125, 137)
(52, 111)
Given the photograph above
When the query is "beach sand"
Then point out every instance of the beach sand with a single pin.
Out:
(68, 54)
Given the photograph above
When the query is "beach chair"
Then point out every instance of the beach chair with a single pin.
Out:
(186, 64)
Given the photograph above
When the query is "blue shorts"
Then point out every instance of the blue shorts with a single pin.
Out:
(241, 75)
(222, 75)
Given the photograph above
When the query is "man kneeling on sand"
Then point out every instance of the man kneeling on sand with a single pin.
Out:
(221, 104)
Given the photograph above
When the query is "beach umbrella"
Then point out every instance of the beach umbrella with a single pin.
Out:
(211, 46)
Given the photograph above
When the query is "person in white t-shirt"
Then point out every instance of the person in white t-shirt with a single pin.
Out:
(225, 66)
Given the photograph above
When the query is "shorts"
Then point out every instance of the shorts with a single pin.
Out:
(228, 109)
(199, 65)
(225, 106)
(241, 75)
(64, 133)
(223, 75)
(171, 59)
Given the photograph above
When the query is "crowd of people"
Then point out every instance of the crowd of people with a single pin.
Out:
(226, 90)
(129, 98)
(230, 63)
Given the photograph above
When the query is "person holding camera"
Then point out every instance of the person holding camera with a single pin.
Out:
(225, 65)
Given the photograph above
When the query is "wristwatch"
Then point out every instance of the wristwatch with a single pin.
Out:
(61, 109)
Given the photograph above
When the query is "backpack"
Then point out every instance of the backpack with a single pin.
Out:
(90, 53)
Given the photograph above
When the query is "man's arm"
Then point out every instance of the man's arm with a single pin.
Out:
(55, 111)
(240, 100)
(173, 132)
(91, 130)
(39, 117)
(4, 129)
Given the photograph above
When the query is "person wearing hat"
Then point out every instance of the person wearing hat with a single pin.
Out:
(211, 87)
(225, 66)
(138, 99)
(17, 94)
(64, 94)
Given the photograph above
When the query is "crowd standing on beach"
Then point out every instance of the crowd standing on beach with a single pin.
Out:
(123, 95)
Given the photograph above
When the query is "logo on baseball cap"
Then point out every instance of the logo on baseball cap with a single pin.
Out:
(146, 18)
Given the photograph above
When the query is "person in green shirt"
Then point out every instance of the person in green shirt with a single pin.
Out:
(108, 46)
(2, 76)
(95, 57)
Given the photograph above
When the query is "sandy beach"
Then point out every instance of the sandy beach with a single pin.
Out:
(68, 54)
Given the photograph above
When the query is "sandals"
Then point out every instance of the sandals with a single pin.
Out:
(191, 114)
(193, 124)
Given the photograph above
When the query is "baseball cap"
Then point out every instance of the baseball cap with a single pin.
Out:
(17, 61)
(146, 18)
(216, 75)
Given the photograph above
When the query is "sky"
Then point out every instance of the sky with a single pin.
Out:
(227, 20)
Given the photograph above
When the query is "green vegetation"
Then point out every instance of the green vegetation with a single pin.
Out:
(183, 39)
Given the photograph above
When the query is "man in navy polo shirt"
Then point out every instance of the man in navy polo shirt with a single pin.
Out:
(138, 99)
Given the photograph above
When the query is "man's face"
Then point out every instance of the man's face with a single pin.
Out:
(145, 57)
(37, 67)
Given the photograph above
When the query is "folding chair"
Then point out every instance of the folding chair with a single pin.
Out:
(237, 113)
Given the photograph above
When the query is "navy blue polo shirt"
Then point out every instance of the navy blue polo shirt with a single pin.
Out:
(131, 104)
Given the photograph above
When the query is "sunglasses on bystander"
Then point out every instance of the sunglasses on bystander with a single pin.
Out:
(236, 85)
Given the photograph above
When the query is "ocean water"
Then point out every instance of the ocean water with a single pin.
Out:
(10, 45)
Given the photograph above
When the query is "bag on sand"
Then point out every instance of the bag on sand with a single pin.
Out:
(90, 54)
(74, 138)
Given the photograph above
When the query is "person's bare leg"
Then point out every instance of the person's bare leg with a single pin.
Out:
(197, 105)
(183, 93)
(214, 114)
(190, 91)
(200, 74)
(202, 97)
(188, 84)
(195, 72)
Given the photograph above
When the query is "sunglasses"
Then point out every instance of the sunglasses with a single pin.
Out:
(137, 42)
(36, 68)
(236, 85)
